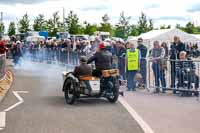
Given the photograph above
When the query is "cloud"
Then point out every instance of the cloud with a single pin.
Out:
(22, 1)
(161, 11)
(95, 8)
(9, 17)
(151, 6)
(179, 18)
(194, 8)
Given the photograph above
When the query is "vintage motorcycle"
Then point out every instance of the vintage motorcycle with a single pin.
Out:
(87, 86)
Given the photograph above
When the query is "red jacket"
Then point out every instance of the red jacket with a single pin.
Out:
(3, 48)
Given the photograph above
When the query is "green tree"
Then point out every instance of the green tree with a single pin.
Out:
(144, 24)
(54, 25)
(122, 28)
(90, 29)
(151, 26)
(24, 23)
(165, 27)
(134, 30)
(105, 25)
(2, 28)
(178, 26)
(39, 23)
(197, 30)
(73, 23)
(190, 28)
(11, 29)
(81, 29)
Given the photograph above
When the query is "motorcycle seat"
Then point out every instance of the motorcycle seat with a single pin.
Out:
(111, 72)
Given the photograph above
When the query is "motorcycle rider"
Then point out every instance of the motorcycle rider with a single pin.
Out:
(102, 59)
(83, 68)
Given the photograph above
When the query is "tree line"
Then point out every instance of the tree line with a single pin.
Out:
(72, 24)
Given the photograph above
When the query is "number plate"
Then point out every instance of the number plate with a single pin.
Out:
(95, 85)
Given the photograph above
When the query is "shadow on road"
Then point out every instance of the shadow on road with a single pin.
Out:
(84, 102)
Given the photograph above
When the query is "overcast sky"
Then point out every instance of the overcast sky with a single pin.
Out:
(161, 11)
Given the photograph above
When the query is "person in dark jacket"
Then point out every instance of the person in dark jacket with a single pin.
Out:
(143, 62)
(102, 59)
(16, 52)
(121, 53)
(114, 54)
(83, 68)
(184, 64)
(176, 47)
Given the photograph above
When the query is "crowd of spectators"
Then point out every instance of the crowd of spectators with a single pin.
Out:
(69, 50)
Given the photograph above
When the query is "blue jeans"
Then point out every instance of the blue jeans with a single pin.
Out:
(131, 84)
(122, 67)
(143, 71)
(159, 75)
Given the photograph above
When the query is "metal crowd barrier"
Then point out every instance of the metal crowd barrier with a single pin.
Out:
(180, 76)
(166, 74)
(2, 66)
(63, 57)
(51, 56)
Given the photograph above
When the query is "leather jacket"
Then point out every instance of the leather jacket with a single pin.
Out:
(102, 59)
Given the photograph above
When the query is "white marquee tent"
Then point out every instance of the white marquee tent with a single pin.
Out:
(35, 38)
(166, 35)
(196, 35)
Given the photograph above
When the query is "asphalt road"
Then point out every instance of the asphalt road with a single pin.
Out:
(167, 113)
(44, 109)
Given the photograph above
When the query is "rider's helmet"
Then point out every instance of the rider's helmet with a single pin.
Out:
(102, 45)
(83, 59)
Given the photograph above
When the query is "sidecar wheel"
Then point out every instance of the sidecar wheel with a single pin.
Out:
(70, 93)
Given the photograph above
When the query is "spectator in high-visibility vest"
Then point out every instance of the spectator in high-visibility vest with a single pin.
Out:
(133, 60)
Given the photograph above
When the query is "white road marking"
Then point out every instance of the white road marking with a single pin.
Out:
(2, 120)
(19, 98)
(3, 114)
(146, 128)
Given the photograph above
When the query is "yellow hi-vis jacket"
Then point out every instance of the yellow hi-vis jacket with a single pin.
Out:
(133, 59)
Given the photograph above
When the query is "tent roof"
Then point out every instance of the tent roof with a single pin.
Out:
(167, 35)
(196, 35)
(132, 38)
(35, 38)
(153, 33)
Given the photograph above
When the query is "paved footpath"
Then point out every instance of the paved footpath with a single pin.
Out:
(166, 113)
(41, 107)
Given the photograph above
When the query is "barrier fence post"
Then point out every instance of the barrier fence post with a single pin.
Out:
(67, 57)
(148, 76)
(2, 66)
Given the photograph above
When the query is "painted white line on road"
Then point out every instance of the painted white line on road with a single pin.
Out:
(19, 98)
(3, 114)
(2, 120)
(146, 128)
